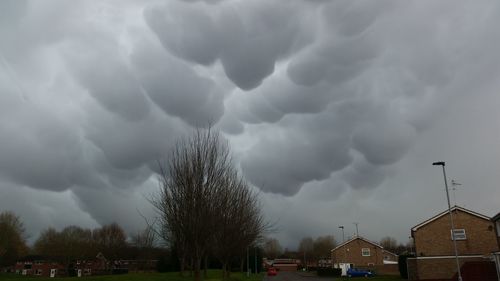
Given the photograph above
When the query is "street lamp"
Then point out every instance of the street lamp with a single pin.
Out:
(343, 240)
(342, 227)
(442, 164)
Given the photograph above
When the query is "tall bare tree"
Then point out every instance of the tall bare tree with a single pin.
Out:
(240, 222)
(188, 201)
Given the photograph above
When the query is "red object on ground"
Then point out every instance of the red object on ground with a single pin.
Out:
(272, 271)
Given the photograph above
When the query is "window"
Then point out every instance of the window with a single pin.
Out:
(498, 227)
(38, 272)
(365, 252)
(459, 234)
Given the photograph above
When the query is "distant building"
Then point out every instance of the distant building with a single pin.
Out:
(285, 264)
(40, 266)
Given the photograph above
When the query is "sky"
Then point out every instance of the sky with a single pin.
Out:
(334, 110)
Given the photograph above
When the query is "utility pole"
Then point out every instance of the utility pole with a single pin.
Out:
(442, 164)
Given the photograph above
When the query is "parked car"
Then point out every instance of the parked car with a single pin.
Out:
(356, 272)
(272, 271)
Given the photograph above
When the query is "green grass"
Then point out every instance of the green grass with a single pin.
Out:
(213, 275)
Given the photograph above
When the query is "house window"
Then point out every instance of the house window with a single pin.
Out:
(365, 252)
(38, 272)
(459, 234)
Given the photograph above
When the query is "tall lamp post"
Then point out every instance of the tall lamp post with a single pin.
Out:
(442, 164)
(343, 240)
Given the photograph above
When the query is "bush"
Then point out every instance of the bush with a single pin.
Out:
(330, 272)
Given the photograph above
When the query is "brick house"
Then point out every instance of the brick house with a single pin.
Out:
(475, 237)
(39, 266)
(496, 255)
(361, 252)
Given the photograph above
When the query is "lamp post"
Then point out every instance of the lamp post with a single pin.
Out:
(342, 227)
(343, 240)
(442, 164)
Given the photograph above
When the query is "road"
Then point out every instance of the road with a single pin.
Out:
(296, 276)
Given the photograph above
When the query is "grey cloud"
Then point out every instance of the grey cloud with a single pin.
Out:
(248, 39)
(322, 100)
(383, 142)
(176, 88)
(284, 163)
(108, 79)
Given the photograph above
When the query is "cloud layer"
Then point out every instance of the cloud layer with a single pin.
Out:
(319, 97)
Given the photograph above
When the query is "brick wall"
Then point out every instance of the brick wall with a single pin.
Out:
(351, 253)
(439, 268)
(434, 238)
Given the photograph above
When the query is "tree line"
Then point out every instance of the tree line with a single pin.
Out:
(73, 242)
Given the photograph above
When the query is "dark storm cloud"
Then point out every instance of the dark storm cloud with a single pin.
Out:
(248, 37)
(320, 99)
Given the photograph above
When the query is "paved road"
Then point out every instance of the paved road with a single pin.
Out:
(296, 276)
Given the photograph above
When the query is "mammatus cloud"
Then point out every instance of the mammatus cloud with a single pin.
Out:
(320, 96)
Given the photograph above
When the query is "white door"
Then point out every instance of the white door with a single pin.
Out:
(79, 273)
(53, 272)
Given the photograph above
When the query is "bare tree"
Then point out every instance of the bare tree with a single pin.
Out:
(322, 246)
(144, 241)
(12, 238)
(306, 247)
(272, 248)
(389, 243)
(240, 222)
(187, 203)
(110, 240)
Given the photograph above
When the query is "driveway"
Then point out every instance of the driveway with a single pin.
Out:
(296, 276)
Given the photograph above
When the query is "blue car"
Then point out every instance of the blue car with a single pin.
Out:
(356, 272)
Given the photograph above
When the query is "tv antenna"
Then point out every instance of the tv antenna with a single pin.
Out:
(454, 185)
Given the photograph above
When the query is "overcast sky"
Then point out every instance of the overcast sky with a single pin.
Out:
(335, 110)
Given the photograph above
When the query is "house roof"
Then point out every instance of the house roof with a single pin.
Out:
(389, 252)
(454, 208)
(352, 239)
(496, 217)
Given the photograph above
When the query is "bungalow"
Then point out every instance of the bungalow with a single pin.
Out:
(475, 238)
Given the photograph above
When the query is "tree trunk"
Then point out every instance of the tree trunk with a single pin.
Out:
(182, 261)
(205, 267)
(224, 271)
(197, 269)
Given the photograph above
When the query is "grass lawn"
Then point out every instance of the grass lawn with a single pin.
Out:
(213, 275)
